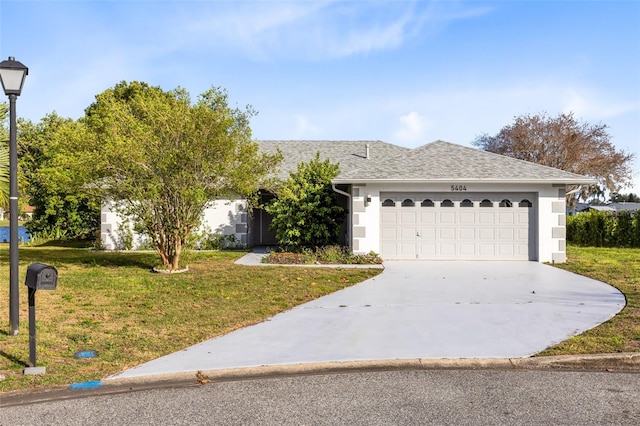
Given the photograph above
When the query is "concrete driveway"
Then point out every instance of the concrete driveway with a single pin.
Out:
(415, 310)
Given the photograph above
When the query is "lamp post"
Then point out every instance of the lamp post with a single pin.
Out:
(12, 74)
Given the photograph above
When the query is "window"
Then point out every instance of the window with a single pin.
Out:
(388, 203)
(446, 203)
(525, 203)
(506, 203)
(408, 203)
(466, 203)
(427, 203)
(486, 203)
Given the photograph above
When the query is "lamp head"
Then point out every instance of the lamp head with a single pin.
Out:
(12, 74)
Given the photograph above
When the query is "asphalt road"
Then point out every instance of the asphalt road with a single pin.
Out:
(488, 397)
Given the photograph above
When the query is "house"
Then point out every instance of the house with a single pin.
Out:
(611, 207)
(439, 201)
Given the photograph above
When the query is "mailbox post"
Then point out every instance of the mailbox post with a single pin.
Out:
(39, 277)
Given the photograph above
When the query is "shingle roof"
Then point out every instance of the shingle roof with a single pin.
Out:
(350, 154)
(436, 161)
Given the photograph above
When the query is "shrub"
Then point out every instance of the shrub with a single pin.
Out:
(604, 229)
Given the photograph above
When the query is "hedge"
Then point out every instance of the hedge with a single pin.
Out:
(604, 229)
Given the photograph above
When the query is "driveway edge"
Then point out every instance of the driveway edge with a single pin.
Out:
(623, 362)
(629, 362)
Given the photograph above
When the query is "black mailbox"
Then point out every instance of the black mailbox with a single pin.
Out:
(41, 277)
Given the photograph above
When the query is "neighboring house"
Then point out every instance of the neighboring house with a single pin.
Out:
(611, 207)
(440, 201)
(625, 206)
(581, 207)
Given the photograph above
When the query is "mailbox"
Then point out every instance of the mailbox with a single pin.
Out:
(41, 277)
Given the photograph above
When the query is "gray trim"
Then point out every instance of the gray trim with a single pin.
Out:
(241, 228)
(359, 232)
(558, 257)
(559, 232)
(558, 207)
(358, 206)
(356, 245)
(562, 220)
(562, 245)
(561, 193)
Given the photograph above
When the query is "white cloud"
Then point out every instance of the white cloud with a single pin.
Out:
(304, 128)
(589, 104)
(412, 130)
(317, 30)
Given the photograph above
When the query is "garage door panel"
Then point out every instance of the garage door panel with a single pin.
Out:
(486, 250)
(467, 250)
(463, 231)
(388, 233)
(506, 234)
(448, 217)
(447, 233)
(428, 218)
(523, 218)
(407, 233)
(448, 250)
(408, 217)
(467, 234)
(506, 250)
(389, 217)
(486, 218)
(427, 250)
(506, 218)
(408, 250)
(485, 234)
(467, 218)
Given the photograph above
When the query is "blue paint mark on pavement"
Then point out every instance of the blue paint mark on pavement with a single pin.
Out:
(87, 385)
(86, 354)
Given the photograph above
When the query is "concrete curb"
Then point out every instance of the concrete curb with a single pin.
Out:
(623, 362)
(628, 362)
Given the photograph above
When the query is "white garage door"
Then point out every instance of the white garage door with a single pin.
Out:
(458, 226)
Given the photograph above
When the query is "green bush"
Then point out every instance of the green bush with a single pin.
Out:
(324, 255)
(306, 211)
(604, 229)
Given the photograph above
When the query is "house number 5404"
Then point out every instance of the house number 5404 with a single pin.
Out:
(457, 188)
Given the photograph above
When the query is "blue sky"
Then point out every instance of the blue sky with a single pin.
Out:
(406, 72)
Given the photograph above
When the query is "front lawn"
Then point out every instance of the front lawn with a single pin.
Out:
(110, 302)
(621, 269)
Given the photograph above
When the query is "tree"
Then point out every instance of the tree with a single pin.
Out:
(306, 211)
(625, 198)
(64, 208)
(564, 143)
(162, 158)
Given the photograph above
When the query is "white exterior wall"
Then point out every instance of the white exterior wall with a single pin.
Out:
(227, 217)
(222, 217)
(549, 216)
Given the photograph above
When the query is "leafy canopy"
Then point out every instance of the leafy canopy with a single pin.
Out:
(64, 208)
(163, 158)
(565, 143)
(306, 212)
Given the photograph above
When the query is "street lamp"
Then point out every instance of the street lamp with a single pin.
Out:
(12, 74)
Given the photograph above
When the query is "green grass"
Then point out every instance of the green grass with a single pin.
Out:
(111, 303)
(621, 269)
